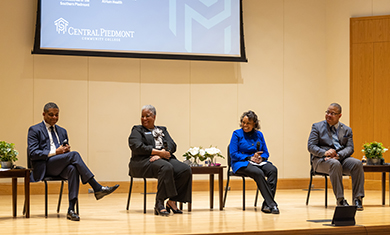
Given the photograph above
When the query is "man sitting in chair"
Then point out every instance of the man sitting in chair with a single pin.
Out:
(331, 146)
(50, 158)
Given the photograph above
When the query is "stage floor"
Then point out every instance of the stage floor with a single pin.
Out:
(109, 215)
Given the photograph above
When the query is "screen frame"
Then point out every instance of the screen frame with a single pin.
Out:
(38, 50)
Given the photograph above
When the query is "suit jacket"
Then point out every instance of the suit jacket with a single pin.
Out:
(39, 147)
(141, 143)
(320, 140)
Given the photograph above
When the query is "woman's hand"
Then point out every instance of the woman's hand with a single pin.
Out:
(164, 154)
(256, 158)
(154, 158)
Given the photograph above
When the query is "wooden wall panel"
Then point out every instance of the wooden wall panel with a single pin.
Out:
(362, 95)
(382, 94)
(370, 82)
(361, 31)
(382, 30)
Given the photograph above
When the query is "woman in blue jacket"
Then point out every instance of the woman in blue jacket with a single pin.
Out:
(249, 156)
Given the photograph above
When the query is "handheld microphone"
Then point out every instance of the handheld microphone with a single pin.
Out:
(65, 142)
(258, 146)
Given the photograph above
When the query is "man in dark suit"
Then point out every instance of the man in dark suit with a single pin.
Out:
(331, 146)
(50, 158)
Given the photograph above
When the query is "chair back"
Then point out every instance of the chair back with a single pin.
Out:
(229, 160)
(29, 164)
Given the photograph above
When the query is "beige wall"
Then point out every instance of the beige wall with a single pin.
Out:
(298, 51)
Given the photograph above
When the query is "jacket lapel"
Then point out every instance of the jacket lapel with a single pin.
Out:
(341, 133)
(149, 136)
(44, 132)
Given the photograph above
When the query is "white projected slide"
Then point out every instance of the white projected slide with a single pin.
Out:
(173, 27)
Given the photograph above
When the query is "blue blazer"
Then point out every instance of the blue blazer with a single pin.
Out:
(243, 145)
(38, 149)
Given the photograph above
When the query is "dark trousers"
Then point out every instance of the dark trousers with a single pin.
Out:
(349, 166)
(71, 167)
(174, 179)
(267, 187)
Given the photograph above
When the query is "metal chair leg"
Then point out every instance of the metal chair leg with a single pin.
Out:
(144, 195)
(243, 193)
(60, 197)
(45, 199)
(309, 189)
(326, 191)
(128, 198)
(257, 196)
(77, 207)
(226, 190)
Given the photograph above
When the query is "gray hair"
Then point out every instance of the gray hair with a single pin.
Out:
(149, 107)
(48, 106)
(337, 106)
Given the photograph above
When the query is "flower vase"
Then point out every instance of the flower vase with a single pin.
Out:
(6, 165)
(212, 161)
(195, 162)
(373, 161)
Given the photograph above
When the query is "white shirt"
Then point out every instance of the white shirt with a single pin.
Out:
(52, 145)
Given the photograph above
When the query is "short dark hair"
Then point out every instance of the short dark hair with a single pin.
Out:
(48, 106)
(252, 117)
(337, 106)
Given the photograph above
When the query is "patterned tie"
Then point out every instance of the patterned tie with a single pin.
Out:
(54, 136)
(335, 139)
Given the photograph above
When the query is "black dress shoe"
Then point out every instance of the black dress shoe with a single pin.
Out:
(358, 204)
(169, 208)
(72, 216)
(159, 208)
(161, 212)
(105, 191)
(274, 210)
(265, 208)
(342, 202)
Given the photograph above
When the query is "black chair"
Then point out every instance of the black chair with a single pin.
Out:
(48, 179)
(314, 173)
(131, 186)
(243, 176)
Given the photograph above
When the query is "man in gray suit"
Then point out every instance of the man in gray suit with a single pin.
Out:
(331, 146)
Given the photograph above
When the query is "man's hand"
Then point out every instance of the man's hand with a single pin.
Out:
(331, 153)
(63, 149)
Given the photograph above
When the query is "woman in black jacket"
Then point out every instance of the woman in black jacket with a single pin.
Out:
(152, 156)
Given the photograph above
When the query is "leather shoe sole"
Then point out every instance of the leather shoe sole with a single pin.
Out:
(105, 191)
(72, 216)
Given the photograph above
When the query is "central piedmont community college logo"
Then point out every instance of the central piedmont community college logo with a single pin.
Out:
(61, 25)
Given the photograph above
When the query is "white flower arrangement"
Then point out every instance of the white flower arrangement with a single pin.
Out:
(196, 153)
(203, 154)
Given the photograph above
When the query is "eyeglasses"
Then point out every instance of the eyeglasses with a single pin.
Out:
(331, 113)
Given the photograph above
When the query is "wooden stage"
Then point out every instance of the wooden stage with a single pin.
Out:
(109, 216)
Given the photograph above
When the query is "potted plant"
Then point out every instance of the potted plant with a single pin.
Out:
(374, 152)
(8, 154)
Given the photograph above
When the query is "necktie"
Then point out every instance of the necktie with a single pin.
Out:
(54, 137)
(335, 139)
